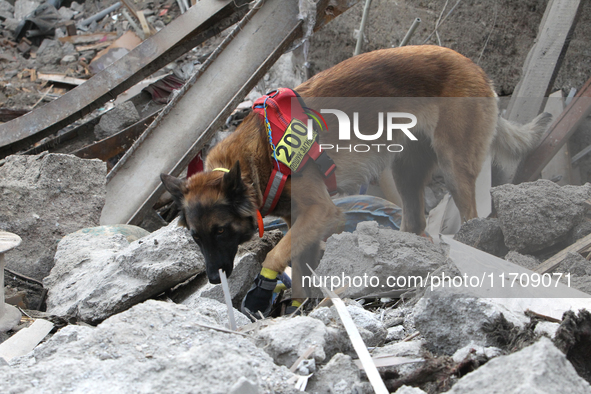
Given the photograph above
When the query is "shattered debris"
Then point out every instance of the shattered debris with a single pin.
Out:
(573, 337)
(120, 117)
(161, 327)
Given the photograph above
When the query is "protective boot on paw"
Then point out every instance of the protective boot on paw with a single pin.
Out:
(259, 298)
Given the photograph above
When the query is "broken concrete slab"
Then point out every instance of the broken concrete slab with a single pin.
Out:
(395, 333)
(43, 198)
(97, 276)
(526, 261)
(582, 283)
(286, 339)
(22, 8)
(484, 234)
(575, 264)
(6, 10)
(247, 265)
(553, 299)
(538, 368)
(537, 215)
(154, 347)
(371, 251)
(451, 320)
(372, 330)
(112, 122)
(244, 386)
(339, 376)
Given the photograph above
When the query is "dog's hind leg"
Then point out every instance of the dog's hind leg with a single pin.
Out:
(411, 171)
(461, 144)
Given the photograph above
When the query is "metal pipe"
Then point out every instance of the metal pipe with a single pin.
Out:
(362, 27)
(410, 32)
(100, 15)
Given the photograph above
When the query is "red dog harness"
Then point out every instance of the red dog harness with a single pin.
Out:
(286, 123)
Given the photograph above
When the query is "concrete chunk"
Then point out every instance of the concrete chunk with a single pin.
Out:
(376, 252)
(450, 321)
(484, 234)
(339, 376)
(120, 117)
(96, 276)
(537, 215)
(539, 368)
(42, 199)
(286, 339)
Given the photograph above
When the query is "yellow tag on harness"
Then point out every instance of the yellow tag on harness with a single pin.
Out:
(294, 144)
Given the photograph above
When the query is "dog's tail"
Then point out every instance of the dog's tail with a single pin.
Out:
(513, 141)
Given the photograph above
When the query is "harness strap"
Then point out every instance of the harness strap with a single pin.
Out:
(326, 166)
(273, 191)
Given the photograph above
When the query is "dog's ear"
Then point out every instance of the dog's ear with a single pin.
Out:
(175, 186)
(235, 190)
(232, 181)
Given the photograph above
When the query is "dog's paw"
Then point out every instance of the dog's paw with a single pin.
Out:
(259, 298)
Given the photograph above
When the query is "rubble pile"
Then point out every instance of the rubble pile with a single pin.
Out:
(160, 326)
(536, 220)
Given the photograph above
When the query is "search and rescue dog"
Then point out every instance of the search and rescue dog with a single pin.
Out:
(220, 205)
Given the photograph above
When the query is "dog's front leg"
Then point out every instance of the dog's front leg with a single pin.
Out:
(314, 218)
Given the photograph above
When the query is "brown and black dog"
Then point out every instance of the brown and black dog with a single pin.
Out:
(219, 208)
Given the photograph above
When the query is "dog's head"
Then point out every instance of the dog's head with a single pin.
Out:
(218, 210)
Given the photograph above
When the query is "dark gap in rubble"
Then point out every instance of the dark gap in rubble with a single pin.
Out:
(435, 376)
(574, 339)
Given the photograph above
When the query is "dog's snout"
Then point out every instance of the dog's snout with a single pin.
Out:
(214, 278)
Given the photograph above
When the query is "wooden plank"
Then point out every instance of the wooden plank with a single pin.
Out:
(100, 45)
(558, 134)
(542, 65)
(88, 38)
(25, 340)
(390, 361)
(579, 246)
(60, 78)
(148, 29)
(544, 60)
(559, 168)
